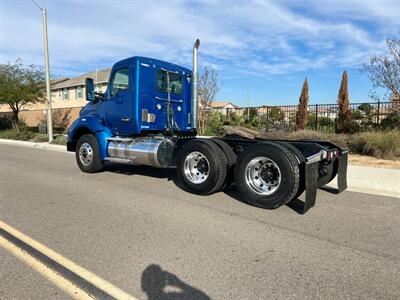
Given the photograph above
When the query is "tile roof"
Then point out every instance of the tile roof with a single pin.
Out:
(101, 76)
(219, 104)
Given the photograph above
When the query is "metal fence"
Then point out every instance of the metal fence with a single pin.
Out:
(321, 117)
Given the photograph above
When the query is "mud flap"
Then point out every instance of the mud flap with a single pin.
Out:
(311, 181)
(342, 173)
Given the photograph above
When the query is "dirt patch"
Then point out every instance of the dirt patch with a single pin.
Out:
(369, 161)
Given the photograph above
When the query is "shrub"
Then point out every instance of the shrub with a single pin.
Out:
(252, 118)
(24, 135)
(339, 139)
(324, 124)
(273, 120)
(60, 140)
(392, 121)
(357, 114)
(5, 122)
(40, 138)
(234, 119)
(214, 123)
(61, 119)
(383, 144)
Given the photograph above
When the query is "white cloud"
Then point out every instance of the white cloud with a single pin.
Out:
(256, 37)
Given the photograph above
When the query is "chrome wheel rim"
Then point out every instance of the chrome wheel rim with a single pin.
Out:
(196, 167)
(86, 154)
(263, 175)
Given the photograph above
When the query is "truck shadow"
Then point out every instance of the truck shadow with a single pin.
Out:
(297, 205)
(159, 284)
(168, 173)
(162, 173)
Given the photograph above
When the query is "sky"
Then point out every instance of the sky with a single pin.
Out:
(260, 49)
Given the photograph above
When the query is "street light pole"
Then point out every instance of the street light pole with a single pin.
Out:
(46, 62)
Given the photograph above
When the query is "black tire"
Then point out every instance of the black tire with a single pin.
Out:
(289, 170)
(231, 158)
(230, 154)
(95, 164)
(217, 168)
(302, 167)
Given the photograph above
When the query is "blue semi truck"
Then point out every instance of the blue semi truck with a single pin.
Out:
(148, 116)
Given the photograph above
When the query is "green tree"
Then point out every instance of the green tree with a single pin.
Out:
(252, 117)
(366, 108)
(392, 121)
(302, 112)
(20, 86)
(345, 120)
(273, 119)
(215, 122)
(368, 114)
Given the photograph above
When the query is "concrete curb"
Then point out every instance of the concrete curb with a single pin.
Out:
(369, 180)
(34, 145)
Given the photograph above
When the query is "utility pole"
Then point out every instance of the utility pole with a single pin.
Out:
(248, 104)
(46, 62)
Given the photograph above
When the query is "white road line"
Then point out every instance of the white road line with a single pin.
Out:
(66, 263)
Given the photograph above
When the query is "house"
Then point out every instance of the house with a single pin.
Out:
(67, 97)
(71, 92)
(223, 107)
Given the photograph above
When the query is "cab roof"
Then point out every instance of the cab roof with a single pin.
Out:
(152, 61)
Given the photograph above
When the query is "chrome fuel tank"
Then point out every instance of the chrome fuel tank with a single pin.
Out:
(155, 152)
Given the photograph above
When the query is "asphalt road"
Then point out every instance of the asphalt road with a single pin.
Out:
(134, 227)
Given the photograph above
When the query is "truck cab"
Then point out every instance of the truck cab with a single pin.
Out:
(144, 95)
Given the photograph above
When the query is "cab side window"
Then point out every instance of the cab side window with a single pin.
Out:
(174, 80)
(120, 81)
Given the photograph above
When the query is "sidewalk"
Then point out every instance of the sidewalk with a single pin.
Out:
(45, 146)
(370, 180)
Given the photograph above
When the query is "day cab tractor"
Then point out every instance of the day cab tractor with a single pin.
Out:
(148, 116)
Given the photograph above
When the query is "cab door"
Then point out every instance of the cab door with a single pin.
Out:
(119, 102)
(162, 107)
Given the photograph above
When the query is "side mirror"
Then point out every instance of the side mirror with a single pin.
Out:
(89, 89)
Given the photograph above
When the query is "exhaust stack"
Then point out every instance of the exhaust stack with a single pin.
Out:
(195, 82)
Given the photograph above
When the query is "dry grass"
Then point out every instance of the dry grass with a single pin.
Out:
(380, 144)
(340, 139)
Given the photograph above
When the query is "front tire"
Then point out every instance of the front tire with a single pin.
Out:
(267, 175)
(87, 154)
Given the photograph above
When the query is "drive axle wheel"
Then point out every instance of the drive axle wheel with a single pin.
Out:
(202, 167)
(267, 175)
(263, 175)
(87, 154)
(231, 159)
(196, 167)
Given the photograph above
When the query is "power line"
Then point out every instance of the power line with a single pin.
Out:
(37, 4)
